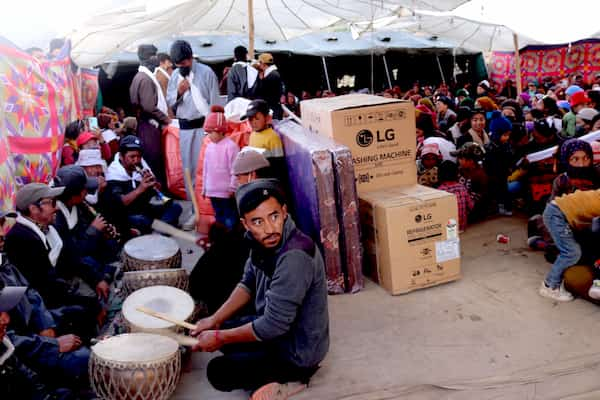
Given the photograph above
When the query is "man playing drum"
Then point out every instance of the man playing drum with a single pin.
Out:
(285, 278)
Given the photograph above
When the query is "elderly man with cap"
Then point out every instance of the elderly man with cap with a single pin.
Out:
(285, 279)
(131, 197)
(17, 380)
(37, 250)
(242, 77)
(270, 88)
(192, 90)
(150, 107)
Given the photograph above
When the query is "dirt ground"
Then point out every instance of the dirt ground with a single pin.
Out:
(487, 336)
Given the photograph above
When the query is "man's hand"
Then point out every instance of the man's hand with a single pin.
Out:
(101, 184)
(99, 223)
(48, 333)
(208, 341)
(147, 182)
(68, 343)
(103, 289)
(204, 324)
(183, 87)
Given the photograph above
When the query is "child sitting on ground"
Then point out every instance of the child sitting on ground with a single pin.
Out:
(448, 178)
(499, 161)
(219, 181)
(473, 177)
(427, 165)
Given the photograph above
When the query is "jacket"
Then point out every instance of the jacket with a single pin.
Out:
(270, 90)
(290, 295)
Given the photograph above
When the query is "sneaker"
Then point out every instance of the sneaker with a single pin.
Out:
(536, 243)
(278, 391)
(594, 291)
(558, 294)
(190, 223)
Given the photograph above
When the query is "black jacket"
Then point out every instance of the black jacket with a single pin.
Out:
(270, 90)
(237, 83)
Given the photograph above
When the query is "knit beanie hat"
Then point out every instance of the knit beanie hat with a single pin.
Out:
(499, 126)
(215, 120)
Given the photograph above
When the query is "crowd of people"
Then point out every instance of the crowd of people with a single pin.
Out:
(267, 311)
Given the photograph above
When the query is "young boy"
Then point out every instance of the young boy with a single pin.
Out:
(427, 165)
(448, 178)
(263, 136)
(473, 177)
(561, 216)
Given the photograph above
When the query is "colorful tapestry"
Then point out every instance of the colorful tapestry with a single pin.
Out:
(538, 62)
(88, 84)
(38, 98)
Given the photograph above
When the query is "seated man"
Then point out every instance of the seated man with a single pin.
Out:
(285, 277)
(17, 381)
(85, 235)
(131, 192)
(36, 249)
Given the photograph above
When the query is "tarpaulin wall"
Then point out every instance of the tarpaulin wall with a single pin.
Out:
(538, 62)
(37, 100)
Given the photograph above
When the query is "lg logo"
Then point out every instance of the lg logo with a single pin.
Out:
(423, 217)
(365, 137)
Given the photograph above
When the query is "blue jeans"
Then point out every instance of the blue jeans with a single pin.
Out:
(564, 239)
(225, 211)
(168, 213)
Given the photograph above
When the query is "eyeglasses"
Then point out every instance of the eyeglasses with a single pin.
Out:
(51, 202)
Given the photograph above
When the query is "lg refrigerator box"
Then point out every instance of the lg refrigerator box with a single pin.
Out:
(410, 236)
(380, 133)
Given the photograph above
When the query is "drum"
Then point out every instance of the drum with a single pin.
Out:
(135, 366)
(134, 280)
(151, 252)
(164, 299)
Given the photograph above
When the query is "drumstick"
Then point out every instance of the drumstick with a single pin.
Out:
(182, 339)
(188, 180)
(163, 227)
(165, 317)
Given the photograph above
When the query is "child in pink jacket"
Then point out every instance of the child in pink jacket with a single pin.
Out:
(219, 181)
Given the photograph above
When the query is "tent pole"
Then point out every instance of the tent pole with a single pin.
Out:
(372, 73)
(326, 73)
(518, 64)
(387, 71)
(251, 29)
(437, 58)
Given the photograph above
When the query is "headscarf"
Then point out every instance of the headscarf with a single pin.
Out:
(427, 103)
(526, 98)
(568, 148)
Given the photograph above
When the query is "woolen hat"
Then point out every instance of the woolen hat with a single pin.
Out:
(499, 125)
(248, 161)
(34, 192)
(145, 51)
(251, 195)
(215, 120)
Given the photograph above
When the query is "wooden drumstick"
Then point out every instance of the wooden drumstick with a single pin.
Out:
(163, 227)
(165, 317)
(183, 339)
(188, 179)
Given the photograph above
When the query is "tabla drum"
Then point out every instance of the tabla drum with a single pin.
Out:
(151, 252)
(135, 366)
(134, 280)
(164, 299)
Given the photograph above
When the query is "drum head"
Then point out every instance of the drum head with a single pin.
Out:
(136, 347)
(165, 299)
(151, 248)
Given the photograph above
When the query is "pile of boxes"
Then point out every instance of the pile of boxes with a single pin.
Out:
(409, 232)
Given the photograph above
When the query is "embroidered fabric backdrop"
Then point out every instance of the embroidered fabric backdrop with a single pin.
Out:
(37, 100)
(538, 62)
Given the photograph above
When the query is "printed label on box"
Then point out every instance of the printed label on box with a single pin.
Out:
(447, 250)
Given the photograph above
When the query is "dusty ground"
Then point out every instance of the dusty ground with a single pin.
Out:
(487, 336)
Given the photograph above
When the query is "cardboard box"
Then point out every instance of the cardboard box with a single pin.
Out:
(380, 133)
(410, 237)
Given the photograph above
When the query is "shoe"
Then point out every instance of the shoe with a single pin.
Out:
(503, 211)
(558, 294)
(594, 291)
(190, 223)
(278, 391)
(536, 243)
